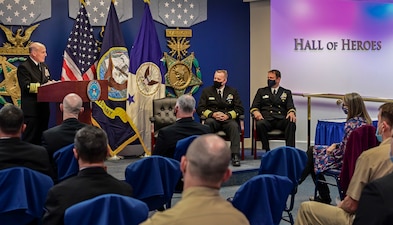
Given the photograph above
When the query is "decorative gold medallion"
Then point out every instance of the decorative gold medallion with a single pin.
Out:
(148, 78)
(179, 76)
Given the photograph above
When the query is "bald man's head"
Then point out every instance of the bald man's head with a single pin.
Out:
(208, 157)
(72, 105)
(37, 52)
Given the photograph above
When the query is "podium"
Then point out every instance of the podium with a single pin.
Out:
(55, 92)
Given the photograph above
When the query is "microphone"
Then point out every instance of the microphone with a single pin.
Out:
(339, 102)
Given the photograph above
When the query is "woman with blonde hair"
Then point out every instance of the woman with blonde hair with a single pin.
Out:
(323, 157)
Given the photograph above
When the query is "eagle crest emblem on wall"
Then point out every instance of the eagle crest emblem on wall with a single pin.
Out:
(17, 43)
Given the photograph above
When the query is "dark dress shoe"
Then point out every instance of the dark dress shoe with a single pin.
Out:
(322, 200)
(235, 160)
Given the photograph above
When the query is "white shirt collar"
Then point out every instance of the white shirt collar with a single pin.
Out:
(272, 89)
(36, 63)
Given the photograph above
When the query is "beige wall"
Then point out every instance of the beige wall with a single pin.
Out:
(260, 44)
(259, 47)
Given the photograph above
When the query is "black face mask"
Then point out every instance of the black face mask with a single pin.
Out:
(271, 83)
(217, 84)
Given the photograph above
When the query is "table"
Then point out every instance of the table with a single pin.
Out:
(329, 131)
(333, 96)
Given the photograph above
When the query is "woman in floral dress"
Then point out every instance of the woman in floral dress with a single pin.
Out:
(323, 157)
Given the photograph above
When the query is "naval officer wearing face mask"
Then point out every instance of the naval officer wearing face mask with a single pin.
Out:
(273, 108)
(221, 105)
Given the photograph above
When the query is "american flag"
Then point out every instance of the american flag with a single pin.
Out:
(81, 53)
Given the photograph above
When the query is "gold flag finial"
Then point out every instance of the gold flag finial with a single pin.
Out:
(146, 1)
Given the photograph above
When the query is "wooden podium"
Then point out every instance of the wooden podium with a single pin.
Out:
(55, 92)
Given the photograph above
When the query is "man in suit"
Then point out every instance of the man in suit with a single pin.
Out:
(273, 108)
(221, 105)
(32, 74)
(13, 151)
(92, 180)
(204, 168)
(62, 135)
(184, 126)
(371, 165)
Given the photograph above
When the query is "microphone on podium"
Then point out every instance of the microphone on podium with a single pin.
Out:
(339, 102)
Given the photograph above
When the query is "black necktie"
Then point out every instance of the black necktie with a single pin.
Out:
(219, 93)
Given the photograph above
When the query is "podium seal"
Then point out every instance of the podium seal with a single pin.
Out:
(93, 90)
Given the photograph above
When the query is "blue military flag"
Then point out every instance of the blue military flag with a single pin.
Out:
(145, 82)
(113, 66)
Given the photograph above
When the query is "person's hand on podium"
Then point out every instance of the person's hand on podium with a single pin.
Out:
(51, 82)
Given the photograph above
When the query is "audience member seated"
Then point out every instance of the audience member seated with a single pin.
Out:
(204, 168)
(92, 180)
(63, 134)
(184, 126)
(375, 203)
(322, 157)
(371, 165)
(13, 151)
(221, 105)
(273, 108)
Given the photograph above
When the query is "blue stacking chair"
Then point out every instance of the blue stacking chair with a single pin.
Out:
(22, 195)
(262, 199)
(107, 209)
(182, 146)
(154, 180)
(289, 162)
(67, 165)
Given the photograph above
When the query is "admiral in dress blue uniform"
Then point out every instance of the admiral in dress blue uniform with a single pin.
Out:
(273, 108)
(32, 74)
(221, 105)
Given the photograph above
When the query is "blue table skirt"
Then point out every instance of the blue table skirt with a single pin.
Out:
(331, 131)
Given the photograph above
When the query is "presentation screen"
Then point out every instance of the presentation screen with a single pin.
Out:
(333, 46)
